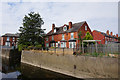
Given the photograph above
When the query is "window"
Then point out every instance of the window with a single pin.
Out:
(65, 28)
(52, 37)
(72, 35)
(54, 30)
(7, 44)
(62, 36)
(52, 44)
(17, 39)
(72, 44)
(47, 39)
(86, 28)
(105, 42)
(47, 44)
(63, 44)
(56, 44)
(7, 38)
(13, 38)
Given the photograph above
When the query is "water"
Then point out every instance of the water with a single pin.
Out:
(20, 71)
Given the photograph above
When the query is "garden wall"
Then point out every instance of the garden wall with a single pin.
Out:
(77, 66)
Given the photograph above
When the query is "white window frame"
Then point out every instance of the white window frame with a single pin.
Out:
(54, 30)
(63, 44)
(47, 44)
(71, 35)
(63, 37)
(52, 37)
(8, 38)
(65, 28)
(13, 38)
(85, 28)
(7, 44)
(56, 44)
(72, 44)
(46, 38)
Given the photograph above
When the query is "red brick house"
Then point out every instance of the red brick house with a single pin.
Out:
(66, 35)
(10, 39)
(104, 37)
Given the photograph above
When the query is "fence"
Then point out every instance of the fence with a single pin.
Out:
(106, 49)
(61, 50)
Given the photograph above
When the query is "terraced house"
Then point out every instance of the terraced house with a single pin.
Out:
(67, 35)
(10, 39)
(105, 38)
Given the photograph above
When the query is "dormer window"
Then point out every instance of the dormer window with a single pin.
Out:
(65, 28)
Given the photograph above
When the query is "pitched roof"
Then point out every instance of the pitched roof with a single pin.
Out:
(11, 35)
(75, 27)
(106, 34)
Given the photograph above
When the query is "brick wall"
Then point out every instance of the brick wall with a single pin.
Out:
(67, 36)
(98, 36)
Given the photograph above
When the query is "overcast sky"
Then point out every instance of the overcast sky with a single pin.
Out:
(100, 16)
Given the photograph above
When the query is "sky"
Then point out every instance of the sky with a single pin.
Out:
(101, 16)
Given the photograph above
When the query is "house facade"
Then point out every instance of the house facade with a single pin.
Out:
(105, 37)
(66, 36)
(10, 39)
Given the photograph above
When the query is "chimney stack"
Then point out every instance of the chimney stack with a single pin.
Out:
(117, 35)
(53, 26)
(111, 33)
(107, 32)
(70, 25)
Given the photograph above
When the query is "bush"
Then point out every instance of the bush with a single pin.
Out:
(30, 47)
(21, 47)
(52, 47)
(38, 47)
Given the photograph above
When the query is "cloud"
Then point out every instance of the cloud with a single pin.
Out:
(101, 16)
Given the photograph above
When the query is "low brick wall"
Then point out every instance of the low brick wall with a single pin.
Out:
(77, 66)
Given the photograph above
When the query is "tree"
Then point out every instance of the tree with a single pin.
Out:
(88, 36)
(79, 37)
(31, 33)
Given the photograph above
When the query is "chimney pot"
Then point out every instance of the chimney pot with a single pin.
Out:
(70, 25)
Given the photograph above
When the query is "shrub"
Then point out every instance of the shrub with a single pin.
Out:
(30, 47)
(38, 47)
(52, 47)
(21, 47)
